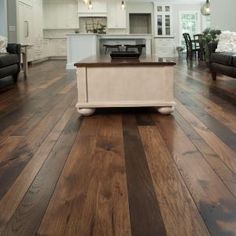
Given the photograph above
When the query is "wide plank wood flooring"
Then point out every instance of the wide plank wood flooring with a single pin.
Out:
(121, 171)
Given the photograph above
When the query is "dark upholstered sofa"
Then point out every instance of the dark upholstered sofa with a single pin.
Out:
(221, 62)
(10, 62)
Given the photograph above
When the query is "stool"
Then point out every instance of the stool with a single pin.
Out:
(110, 46)
(139, 47)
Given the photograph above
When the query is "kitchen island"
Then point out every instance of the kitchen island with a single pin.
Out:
(81, 46)
(132, 39)
(144, 82)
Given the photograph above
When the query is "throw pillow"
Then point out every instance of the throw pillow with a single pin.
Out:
(227, 42)
(3, 44)
(233, 39)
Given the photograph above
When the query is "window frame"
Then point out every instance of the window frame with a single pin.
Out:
(198, 30)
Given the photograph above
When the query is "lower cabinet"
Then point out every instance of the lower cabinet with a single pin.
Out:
(165, 47)
(79, 47)
(58, 47)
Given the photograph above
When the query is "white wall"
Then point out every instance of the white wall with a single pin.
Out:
(223, 14)
(11, 21)
(3, 17)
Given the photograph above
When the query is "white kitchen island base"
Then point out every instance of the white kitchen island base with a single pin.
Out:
(103, 82)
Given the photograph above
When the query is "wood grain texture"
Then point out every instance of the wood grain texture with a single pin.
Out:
(222, 131)
(22, 154)
(224, 173)
(212, 197)
(145, 215)
(224, 152)
(98, 203)
(31, 209)
(180, 217)
(125, 171)
(217, 111)
(13, 197)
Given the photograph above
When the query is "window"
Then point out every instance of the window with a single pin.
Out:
(189, 23)
(206, 22)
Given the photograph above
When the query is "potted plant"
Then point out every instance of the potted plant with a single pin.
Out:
(209, 35)
(179, 49)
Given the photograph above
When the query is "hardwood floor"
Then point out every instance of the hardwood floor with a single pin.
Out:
(122, 171)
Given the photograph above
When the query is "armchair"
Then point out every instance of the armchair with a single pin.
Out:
(10, 62)
(221, 62)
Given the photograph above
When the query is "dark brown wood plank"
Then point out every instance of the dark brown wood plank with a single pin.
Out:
(203, 90)
(217, 111)
(180, 214)
(222, 131)
(16, 160)
(145, 215)
(30, 211)
(215, 202)
(226, 154)
(223, 91)
(143, 117)
(91, 197)
(221, 169)
(15, 194)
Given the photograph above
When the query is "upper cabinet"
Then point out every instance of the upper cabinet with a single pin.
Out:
(60, 14)
(98, 8)
(163, 20)
(116, 15)
(24, 23)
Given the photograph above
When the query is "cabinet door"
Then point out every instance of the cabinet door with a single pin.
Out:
(24, 19)
(121, 16)
(99, 6)
(111, 14)
(116, 15)
(165, 47)
(163, 20)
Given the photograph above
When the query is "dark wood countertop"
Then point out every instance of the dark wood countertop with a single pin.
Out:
(106, 61)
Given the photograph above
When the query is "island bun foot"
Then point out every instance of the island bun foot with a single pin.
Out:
(166, 110)
(86, 111)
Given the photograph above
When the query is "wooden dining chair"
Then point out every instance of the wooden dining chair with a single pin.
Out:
(199, 44)
(190, 46)
(110, 47)
(138, 47)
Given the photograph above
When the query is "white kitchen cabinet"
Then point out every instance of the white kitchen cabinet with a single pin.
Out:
(163, 20)
(24, 23)
(60, 14)
(99, 8)
(165, 47)
(81, 46)
(116, 15)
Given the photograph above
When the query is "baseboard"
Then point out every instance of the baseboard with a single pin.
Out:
(39, 60)
(58, 58)
(63, 58)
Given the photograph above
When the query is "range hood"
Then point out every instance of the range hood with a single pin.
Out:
(99, 9)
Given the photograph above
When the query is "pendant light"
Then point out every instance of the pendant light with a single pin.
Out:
(122, 5)
(86, 1)
(90, 5)
(205, 9)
